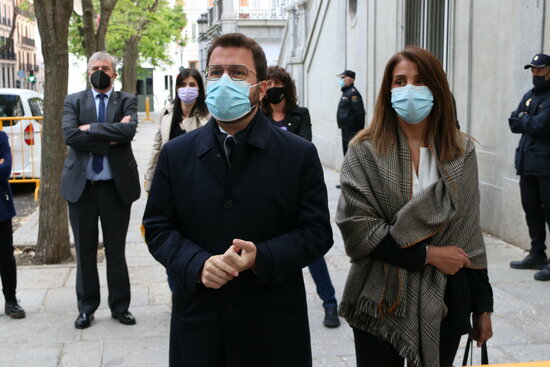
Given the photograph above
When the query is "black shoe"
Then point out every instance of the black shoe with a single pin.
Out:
(544, 274)
(331, 317)
(125, 317)
(337, 186)
(84, 320)
(530, 261)
(14, 310)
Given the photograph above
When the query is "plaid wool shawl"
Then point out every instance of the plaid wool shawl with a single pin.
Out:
(402, 307)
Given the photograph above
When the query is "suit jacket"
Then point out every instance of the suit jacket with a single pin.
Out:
(79, 109)
(7, 210)
(273, 195)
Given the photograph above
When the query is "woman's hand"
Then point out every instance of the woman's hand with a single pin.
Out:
(482, 328)
(448, 259)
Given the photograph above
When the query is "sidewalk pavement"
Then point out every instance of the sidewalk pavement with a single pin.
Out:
(47, 337)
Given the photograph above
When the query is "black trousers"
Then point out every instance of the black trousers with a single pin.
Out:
(8, 271)
(372, 352)
(535, 199)
(348, 134)
(101, 201)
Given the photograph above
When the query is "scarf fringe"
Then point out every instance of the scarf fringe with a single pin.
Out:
(355, 315)
(368, 307)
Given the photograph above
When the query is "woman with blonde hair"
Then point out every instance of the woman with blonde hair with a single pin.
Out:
(409, 216)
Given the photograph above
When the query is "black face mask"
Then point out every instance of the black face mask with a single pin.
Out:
(275, 95)
(540, 83)
(100, 80)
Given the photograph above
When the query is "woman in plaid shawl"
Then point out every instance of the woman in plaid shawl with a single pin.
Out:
(409, 216)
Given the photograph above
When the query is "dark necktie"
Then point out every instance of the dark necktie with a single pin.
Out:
(228, 146)
(97, 162)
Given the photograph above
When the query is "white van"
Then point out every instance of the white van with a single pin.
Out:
(24, 135)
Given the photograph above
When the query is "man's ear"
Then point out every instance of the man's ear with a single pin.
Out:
(262, 88)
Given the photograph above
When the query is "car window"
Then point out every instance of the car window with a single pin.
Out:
(36, 105)
(10, 105)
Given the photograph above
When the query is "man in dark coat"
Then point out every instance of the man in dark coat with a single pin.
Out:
(351, 111)
(236, 209)
(100, 180)
(532, 120)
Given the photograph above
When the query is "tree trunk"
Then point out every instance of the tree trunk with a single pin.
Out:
(88, 21)
(9, 40)
(52, 17)
(129, 64)
(95, 40)
(107, 7)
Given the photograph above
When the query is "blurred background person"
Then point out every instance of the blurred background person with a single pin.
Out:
(351, 111)
(187, 112)
(531, 119)
(281, 109)
(8, 271)
(409, 217)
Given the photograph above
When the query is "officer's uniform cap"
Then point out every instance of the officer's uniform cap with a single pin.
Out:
(349, 73)
(539, 61)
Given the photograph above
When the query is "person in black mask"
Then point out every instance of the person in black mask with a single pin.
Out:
(100, 181)
(281, 108)
(531, 119)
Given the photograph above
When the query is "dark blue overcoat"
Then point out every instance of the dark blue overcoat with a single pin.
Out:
(274, 195)
(7, 209)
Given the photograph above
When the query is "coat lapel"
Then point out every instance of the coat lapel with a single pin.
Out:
(209, 152)
(112, 107)
(89, 112)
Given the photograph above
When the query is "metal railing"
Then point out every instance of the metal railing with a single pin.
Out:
(23, 146)
(261, 9)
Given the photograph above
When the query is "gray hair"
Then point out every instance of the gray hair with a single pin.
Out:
(102, 56)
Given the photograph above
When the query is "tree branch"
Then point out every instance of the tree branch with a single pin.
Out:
(88, 15)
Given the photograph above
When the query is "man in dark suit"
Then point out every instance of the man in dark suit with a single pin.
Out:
(100, 180)
(236, 209)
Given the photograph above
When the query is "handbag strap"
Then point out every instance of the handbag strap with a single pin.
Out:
(484, 356)
(470, 346)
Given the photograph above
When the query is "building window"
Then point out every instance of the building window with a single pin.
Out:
(194, 32)
(427, 26)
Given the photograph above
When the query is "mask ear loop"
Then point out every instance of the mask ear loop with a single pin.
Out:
(252, 86)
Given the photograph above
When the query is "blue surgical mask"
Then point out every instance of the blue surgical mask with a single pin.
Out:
(412, 103)
(227, 99)
(341, 82)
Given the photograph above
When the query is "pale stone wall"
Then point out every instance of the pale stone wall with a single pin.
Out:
(490, 41)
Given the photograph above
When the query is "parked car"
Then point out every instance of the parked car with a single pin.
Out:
(24, 135)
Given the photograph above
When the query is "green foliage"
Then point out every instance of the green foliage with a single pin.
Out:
(133, 18)
(76, 36)
(26, 8)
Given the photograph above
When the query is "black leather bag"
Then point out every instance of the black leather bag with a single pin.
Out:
(470, 347)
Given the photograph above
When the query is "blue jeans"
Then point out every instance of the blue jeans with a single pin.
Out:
(321, 277)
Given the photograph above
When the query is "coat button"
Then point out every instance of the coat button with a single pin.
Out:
(228, 309)
(228, 203)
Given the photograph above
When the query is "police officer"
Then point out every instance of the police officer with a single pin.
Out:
(532, 120)
(351, 112)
